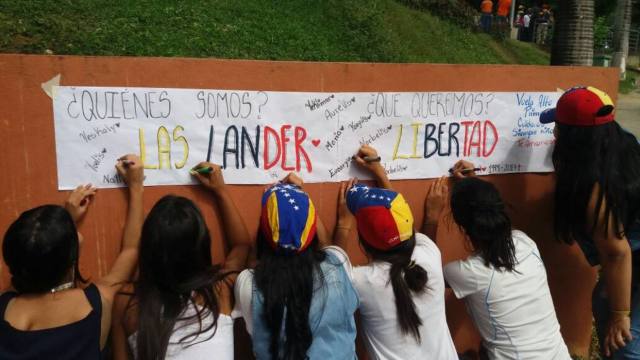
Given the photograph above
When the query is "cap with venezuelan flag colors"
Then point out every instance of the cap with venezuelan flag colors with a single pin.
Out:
(288, 218)
(581, 106)
(383, 217)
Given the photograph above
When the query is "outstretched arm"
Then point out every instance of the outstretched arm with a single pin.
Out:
(234, 228)
(345, 221)
(434, 204)
(131, 170)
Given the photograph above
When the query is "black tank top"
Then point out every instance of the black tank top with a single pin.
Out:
(78, 340)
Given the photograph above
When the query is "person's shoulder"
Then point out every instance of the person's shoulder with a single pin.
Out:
(245, 276)
(336, 255)
(424, 241)
(521, 237)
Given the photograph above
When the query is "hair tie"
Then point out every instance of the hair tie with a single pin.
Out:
(411, 265)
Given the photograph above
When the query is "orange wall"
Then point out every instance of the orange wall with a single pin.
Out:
(28, 157)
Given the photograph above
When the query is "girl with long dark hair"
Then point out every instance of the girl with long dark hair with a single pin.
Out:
(597, 204)
(298, 302)
(51, 312)
(503, 282)
(181, 303)
(402, 307)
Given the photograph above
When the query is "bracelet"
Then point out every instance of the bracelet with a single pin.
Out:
(621, 312)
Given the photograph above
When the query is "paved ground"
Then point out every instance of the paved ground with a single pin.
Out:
(628, 111)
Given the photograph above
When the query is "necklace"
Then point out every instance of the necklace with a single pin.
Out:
(62, 287)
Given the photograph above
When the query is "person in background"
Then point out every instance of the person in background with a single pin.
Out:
(502, 15)
(402, 307)
(486, 10)
(526, 26)
(298, 302)
(503, 282)
(180, 305)
(597, 197)
(47, 315)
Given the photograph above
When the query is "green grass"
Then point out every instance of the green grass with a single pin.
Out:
(328, 30)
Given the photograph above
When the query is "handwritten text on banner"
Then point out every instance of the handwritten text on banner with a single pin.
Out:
(259, 136)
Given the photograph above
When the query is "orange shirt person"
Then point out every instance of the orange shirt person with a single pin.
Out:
(504, 6)
(486, 7)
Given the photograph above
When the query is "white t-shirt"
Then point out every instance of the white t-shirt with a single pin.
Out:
(243, 289)
(513, 311)
(526, 20)
(380, 328)
(202, 347)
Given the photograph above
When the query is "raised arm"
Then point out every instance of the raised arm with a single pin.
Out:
(130, 168)
(368, 158)
(437, 197)
(235, 231)
(345, 222)
(615, 257)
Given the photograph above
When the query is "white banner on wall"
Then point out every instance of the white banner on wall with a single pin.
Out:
(260, 136)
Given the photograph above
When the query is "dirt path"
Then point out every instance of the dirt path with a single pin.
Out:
(628, 112)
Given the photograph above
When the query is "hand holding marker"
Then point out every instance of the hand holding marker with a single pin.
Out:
(201, 170)
(369, 159)
(464, 168)
(466, 171)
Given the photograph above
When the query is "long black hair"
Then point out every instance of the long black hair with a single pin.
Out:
(407, 278)
(287, 282)
(41, 249)
(175, 271)
(604, 155)
(478, 208)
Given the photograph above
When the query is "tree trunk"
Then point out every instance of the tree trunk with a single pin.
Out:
(621, 29)
(573, 34)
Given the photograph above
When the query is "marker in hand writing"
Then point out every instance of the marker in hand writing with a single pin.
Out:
(368, 159)
(202, 170)
(465, 171)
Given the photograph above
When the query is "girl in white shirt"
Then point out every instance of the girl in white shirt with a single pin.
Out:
(503, 282)
(180, 305)
(401, 290)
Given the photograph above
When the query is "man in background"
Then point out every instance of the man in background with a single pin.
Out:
(504, 7)
(486, 8)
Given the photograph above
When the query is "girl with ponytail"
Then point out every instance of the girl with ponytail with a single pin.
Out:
(503, 282)
(402, 308)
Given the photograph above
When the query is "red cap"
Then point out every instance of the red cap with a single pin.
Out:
(581, 106)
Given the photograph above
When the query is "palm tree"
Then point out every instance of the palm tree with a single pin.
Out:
(573, 35)
(621, 35)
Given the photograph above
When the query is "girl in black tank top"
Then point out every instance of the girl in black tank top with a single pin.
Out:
(41, 250)
(78, 340)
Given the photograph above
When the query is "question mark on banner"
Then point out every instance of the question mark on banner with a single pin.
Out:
(266, 100)
(489, 98)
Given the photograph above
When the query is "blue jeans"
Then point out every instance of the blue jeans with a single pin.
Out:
(485, 22)
(601, 312)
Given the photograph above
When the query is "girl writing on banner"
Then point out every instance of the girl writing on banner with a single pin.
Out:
(180, 305)
(298, 302)
(503, 282)
(597, 197)
(51, 312)
(402, 307)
